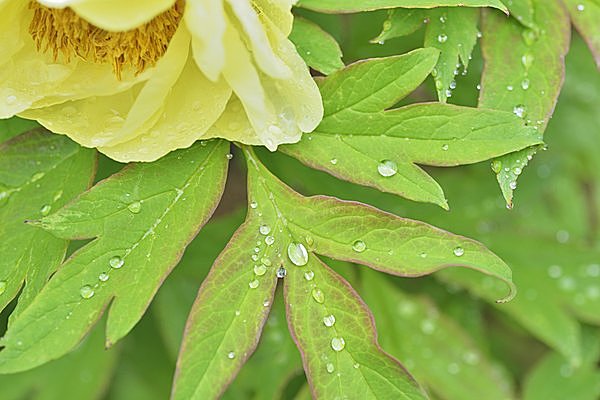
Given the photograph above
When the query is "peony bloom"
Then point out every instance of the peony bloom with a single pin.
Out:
(140, 78)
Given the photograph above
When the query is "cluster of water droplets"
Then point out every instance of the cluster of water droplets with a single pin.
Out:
(114, 263)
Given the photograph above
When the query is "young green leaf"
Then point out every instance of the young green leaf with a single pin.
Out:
(524, 71)
(453, 31)
(142, 219)
(359, 142)
(317, 47)
(39, 172)
(14, 126)
(335, 332)
(351, 6)
(585, 15)
(401, 22)
(83, 374)
(433, 346)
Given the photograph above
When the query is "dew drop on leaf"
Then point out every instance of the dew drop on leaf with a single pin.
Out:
(513, 185)
(281, 272)
(458, 251)
(309, 275)
(45, 210)
(116, 262)
(519, 110)
(103, 277)
(269, 240)
(253, 284)
(338, 343)
(264, 229)
(318, 295)
(86, 292)
(442, 38)
(329, 320)
(333, 161)
(135, 207)
(525, 84)
(253, 204)
(330, 368)
(297, 254)
(387, 168)
(359, 246)
(445, 146)
(266, 261)
(231, 355)
(260, 269)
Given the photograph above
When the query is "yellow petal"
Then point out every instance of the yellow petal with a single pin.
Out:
(11, 13)
(278, 12)
(234, 125)
(193, 106)
(206, 21)
(114, 15)
(256, 40)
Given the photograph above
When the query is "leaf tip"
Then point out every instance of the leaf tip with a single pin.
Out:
(511, 294)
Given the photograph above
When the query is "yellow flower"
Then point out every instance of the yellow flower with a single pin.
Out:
(140, 78)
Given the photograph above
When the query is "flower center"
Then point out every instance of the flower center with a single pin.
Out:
(63, 32)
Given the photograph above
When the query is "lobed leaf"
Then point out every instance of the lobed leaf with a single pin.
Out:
(453, 31)
(350, 6)
(317, 47)
(358, 142)
(335, 332)
(524, 72)
(39, 172)
(401, 22)
(142, 219)
(432, 345)
(585, 15)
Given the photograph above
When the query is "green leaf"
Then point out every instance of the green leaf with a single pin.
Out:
(14, 126)
(401, 22)
(524, 71)
(554, 378)
(39, 172)
(585, 15)
(359, 142)
(522, 10)
(83, 374)
(233, 302)
(335, 333)
(453, 31)
(142, 219)
(317, 47)
(350, 6)
(433, 346)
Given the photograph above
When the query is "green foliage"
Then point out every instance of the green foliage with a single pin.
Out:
(311, 296)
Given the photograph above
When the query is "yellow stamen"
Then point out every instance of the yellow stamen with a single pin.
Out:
(61, 31)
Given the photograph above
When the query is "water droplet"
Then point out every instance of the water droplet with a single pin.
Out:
(359, 246)
(253, 284)
(269, 240)
(458, 251)
(519, 110)
(45, 210)
(281, 272)
(512, 185)
(253, 204)
(453, 83)
(266, 303)
(527, 60)
(330, 368)
(254, 257)
(525, 84)
(318, 295)
(229, 156)
(86, 292)
(478, 87)
(442, 19)
(423, 254)
(338, 343)
(103, 277)
(554, 271)
(297, 254)
(116, 262)
(309, 275)
(445, 147)
(329, 320)
(529, 36)
(580, 7)
(510, 88)
(266, 261)
(264, 229)
(356, 365)
(517, 171)
(333, 161)
(260, 269)
(231, 355)
(387, 168)
(37, 176)
(3, 285)
(135, 207)
(442, 38)
(497, 166)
